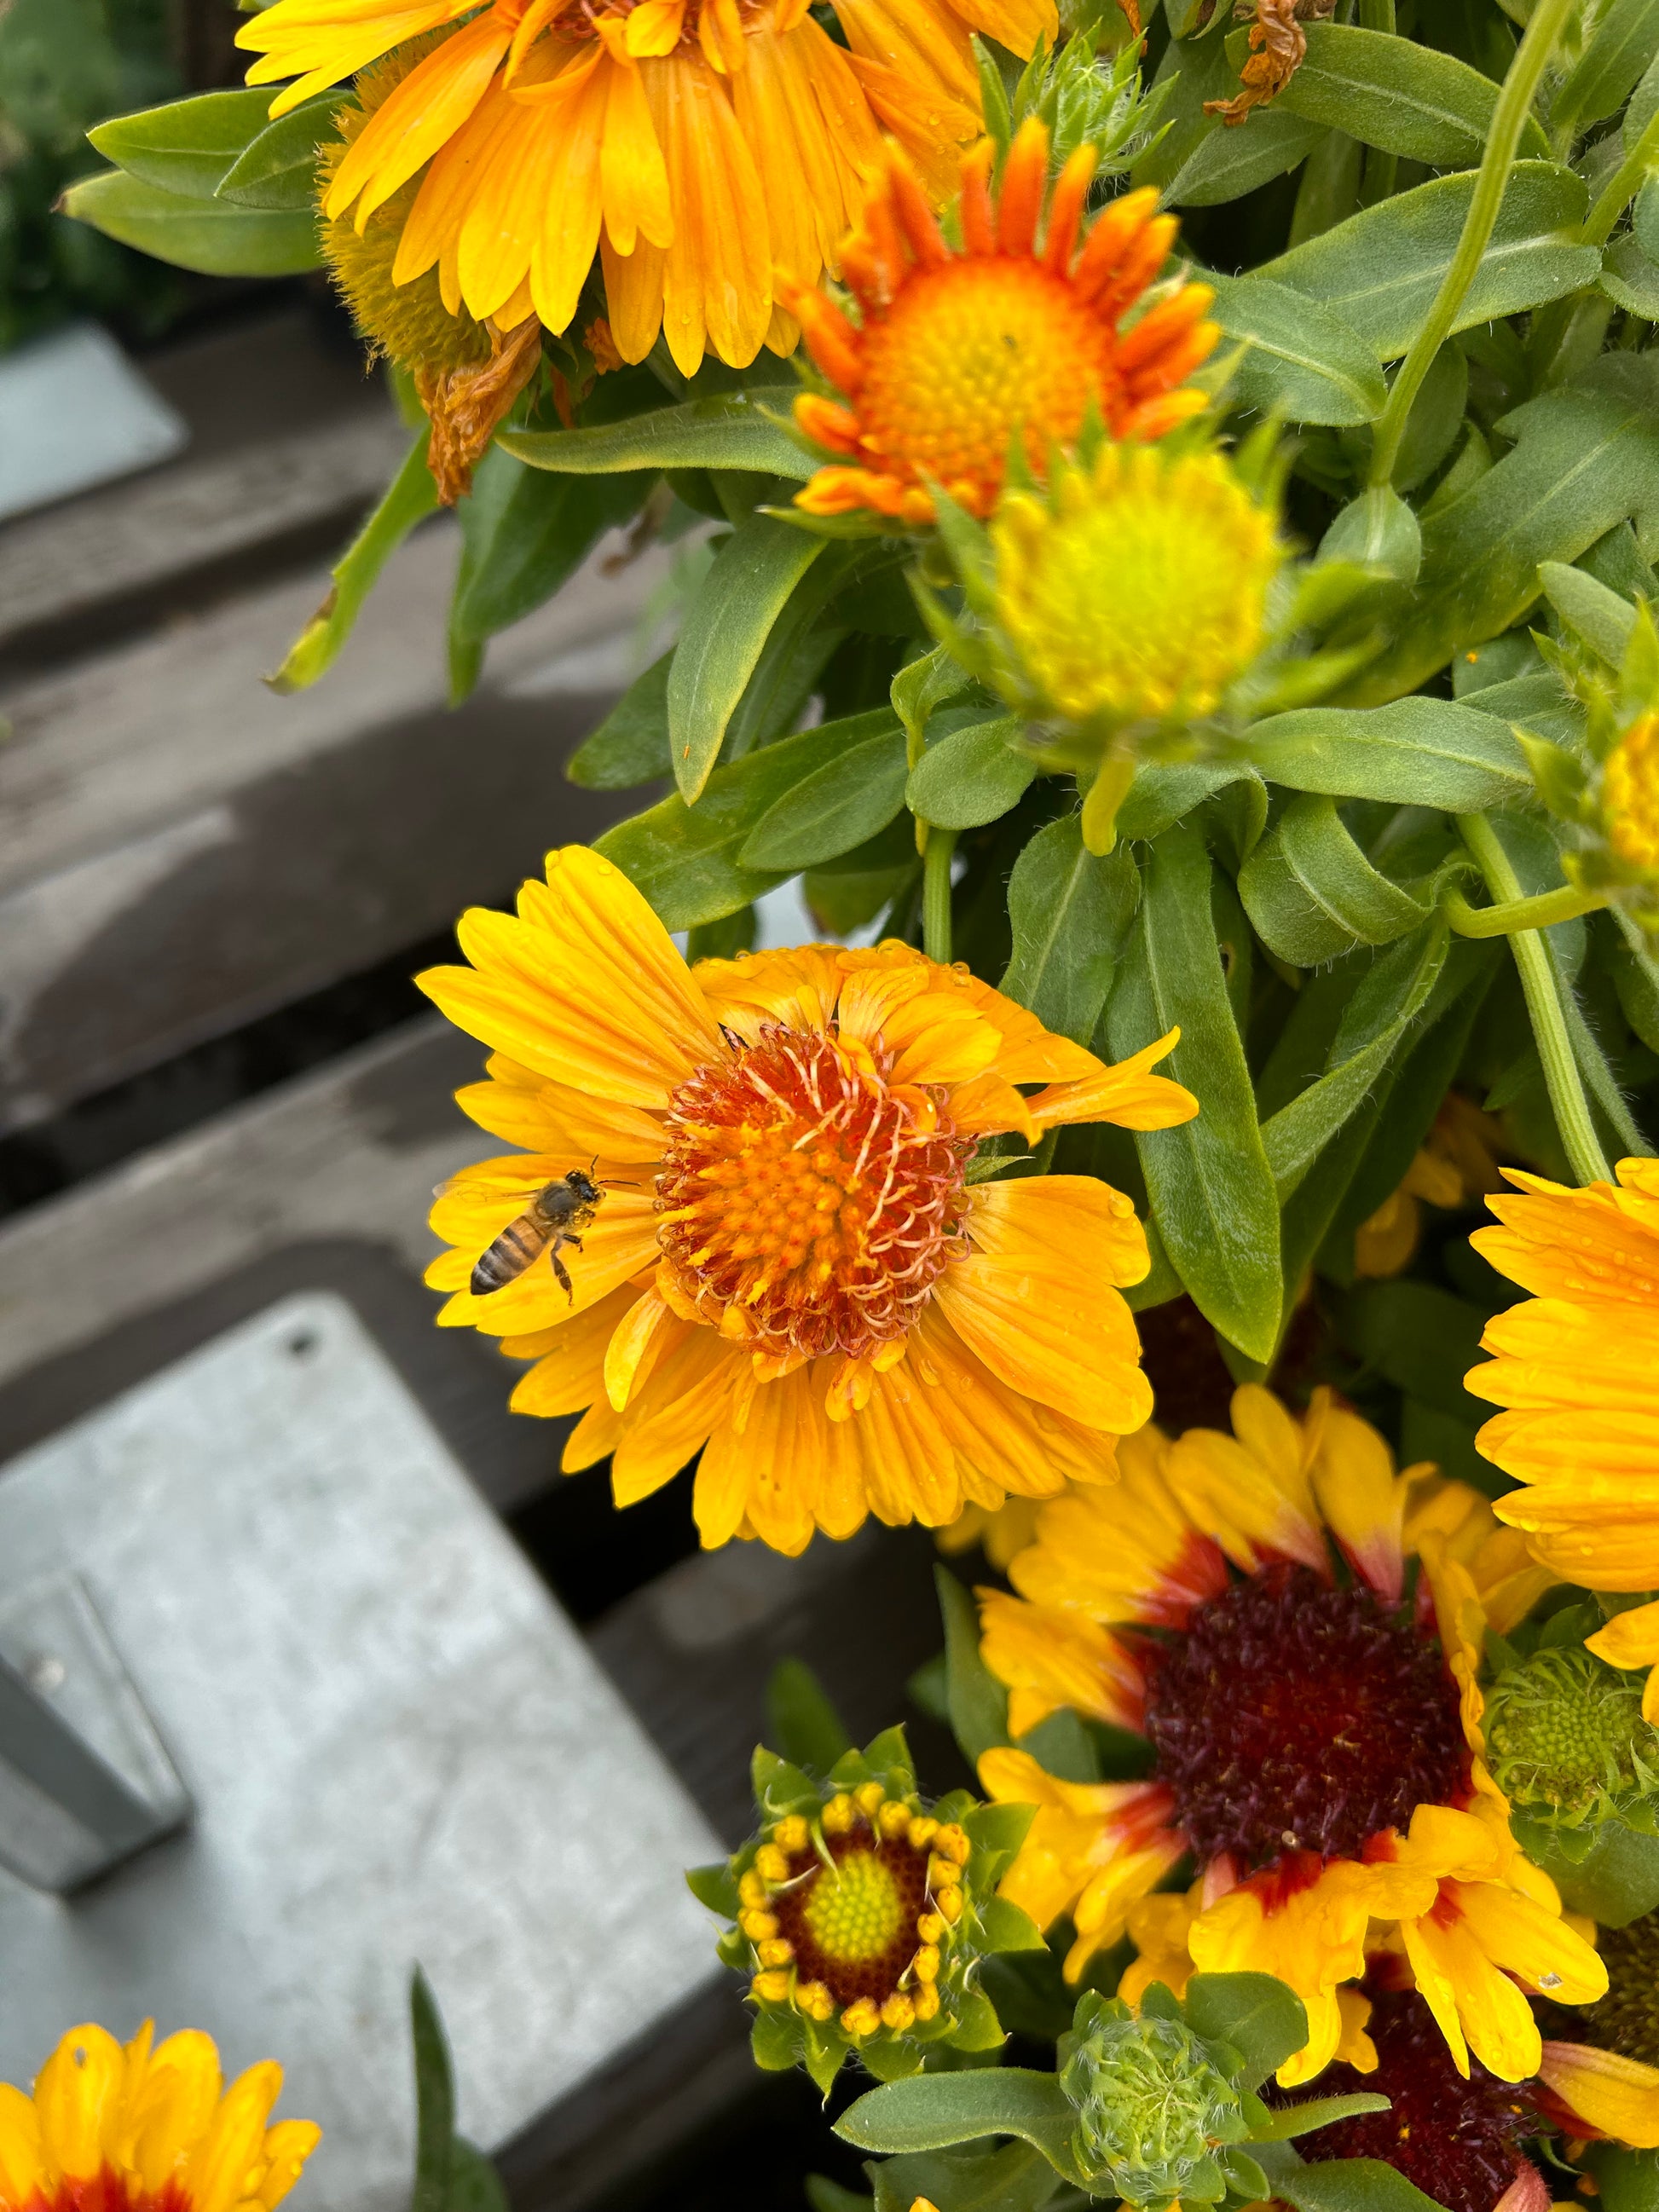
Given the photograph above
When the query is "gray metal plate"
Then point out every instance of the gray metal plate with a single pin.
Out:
(400, 1749)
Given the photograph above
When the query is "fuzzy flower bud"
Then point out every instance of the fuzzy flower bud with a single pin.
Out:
(1151, 2106)
(1566, 1738)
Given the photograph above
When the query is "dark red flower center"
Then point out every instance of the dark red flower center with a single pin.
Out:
(1459, 2141)
(853, 1924)
(1295, 1716)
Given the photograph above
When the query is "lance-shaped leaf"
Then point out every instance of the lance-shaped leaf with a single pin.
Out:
(724, 634)
(277, 170)
(971, 775)
(1209, 1183)
(1391, 92)
(410, 498)
(932, 2111)
(630, 746)
(1312, 895)
(978, 1702)
(1381, 269)
(1341, 2184)
(187, 146)
(1303, 361)
(836, 807)
(213, 237)
(1069, 910)
(1414, 753)
(1224, 165)
(731, 432)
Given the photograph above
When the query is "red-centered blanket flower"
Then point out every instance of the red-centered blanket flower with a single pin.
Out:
(147, 2129)
(1577, 1369)
(1243, 1601)
(791, 1269)
(956, 355)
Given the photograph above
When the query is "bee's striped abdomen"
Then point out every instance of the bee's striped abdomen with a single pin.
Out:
(518, 1243)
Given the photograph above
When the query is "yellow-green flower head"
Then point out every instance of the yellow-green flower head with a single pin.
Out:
(1566, 1738)
(1153, 2106)
(1136, 591)
(1630, 797)
(862, 1914)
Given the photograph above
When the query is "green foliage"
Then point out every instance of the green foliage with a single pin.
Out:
(450, 2174)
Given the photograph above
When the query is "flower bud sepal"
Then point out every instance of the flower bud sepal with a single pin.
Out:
(862, 1913)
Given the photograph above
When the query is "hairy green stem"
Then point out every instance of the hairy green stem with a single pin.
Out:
(1621, 188)
(1515, 100)
(936, 893)
(1568, 1101)
(1540, 912)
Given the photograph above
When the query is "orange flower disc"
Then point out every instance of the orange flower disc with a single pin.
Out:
(956, 355)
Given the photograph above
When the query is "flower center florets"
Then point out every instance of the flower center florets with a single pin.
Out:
(1565, 1733)
(971, 353)
(1459, 2139)
(1630, 795)
(1293, 1716)
(1626, 2019)
(807, 1206)
(852, 1919)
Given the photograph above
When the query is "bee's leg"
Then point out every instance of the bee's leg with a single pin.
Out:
(565, 1283)
(569, 1239)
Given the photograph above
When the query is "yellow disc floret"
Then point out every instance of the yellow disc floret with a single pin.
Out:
(855, 1910)
(1630, 795)
(1137, 590)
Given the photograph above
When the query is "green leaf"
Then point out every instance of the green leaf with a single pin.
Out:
(1629, 2179)
(1301, 2119)
(1414, 753)
(278, 169)
(1616, 1881)
(1586, 459)
(713, 1886)
(799, 643)
(434, 2101)
(1625, 41)
(1304, 362)
(1209, 1184)
(933, 2111)
(1341, 2184)
(1630, 276)
(186, 147)
(530, 538)
(1375, 1019)
(1391, 92)
(1312, 895)
(970, 2177)
(1005, 1928)
(979, 1703)
(630, 746)
(837, 807)
(1224, 165)
(774, 2043)
(730, 432)
(1419, 1337)
(801, 1720)
(474, 2184)
(1069, 911)
(410, 497)
(209, 236)
(974, 774)
(685, 859)
(724, 633)
(1164, 793)
(1262, 2020)
(1378, 531)
(1601, 617)
(1381, 269)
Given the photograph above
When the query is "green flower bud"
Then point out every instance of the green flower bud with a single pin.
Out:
(1151, 2106)
(1566, 1738)
(1626, 2019)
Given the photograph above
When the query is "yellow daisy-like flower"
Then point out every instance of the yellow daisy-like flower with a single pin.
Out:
(702, 148)
(791, 1271)
(147, 2129)
(1630, 797)
(957, 354)
(1577, 1369)
(1181, 553)
(1316, 1740)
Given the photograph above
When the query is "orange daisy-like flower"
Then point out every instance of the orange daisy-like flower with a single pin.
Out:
(698, 146)
(147, 2129)
(1316, 1735)
(956, 355)
(790, 1270)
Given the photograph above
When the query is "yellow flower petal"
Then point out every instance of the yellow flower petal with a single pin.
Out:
(1612, 2095)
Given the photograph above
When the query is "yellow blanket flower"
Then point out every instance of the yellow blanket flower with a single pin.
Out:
(1577, 1369)
(699, 147)
(1316, 1740)
(790, 1270)
(146, 2129)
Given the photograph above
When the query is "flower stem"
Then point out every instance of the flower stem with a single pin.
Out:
(1533, 960)
(1621, 188)
(936, 893)
(1509, 118)
(1538, 912)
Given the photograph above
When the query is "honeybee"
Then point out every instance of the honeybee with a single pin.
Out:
(552, 1217)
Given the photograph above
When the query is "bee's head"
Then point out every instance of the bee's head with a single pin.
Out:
(584, 1186)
